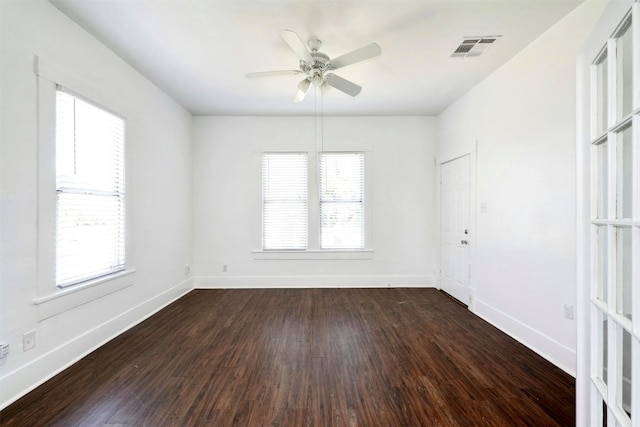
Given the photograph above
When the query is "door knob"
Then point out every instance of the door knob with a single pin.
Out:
(464, 242)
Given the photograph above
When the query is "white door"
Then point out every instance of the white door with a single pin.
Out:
(454, 228)
(608, 381)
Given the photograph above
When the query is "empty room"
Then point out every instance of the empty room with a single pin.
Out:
(320, 213)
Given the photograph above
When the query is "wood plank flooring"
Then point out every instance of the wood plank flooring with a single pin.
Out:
(306, 357)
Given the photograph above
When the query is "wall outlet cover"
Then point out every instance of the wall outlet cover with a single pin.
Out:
(4, 350)
(568, 311)
(28, 340)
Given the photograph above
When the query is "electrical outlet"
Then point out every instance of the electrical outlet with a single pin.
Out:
(4, 350)
(187, 270)
(568, 311)
(224, 268)
(28, 340)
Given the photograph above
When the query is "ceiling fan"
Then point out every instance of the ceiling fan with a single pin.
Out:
(317, 66)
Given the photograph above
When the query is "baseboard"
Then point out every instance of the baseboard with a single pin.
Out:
(556, 353)
(355, 281)
(27, 377)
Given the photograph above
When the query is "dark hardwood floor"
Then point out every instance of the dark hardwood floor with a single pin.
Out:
(306, 357)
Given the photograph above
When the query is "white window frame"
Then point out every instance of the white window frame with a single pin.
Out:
(313, 251)
(51, 299)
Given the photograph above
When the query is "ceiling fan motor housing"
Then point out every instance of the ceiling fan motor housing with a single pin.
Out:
(315, 70)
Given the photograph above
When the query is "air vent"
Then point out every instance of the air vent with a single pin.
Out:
(473, 46)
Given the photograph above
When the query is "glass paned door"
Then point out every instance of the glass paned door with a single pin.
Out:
(615, 224)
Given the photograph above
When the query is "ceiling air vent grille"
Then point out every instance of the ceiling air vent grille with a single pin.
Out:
(473, 46)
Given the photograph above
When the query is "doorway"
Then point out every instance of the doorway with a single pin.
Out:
(455, 237)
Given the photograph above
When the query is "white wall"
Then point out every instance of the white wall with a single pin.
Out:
(159, 196)
(523, 119)
(227, 200)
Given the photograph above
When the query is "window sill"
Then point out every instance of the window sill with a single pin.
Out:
(314, 254)
(65, 299)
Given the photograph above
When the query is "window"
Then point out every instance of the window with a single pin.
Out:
(341, 200)
(284, 201)
(336, 220)
(90, 185)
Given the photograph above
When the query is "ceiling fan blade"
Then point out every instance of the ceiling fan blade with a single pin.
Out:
(365, 52)
(273, 73)
(343, 85)
(296, 45)
(303, 89)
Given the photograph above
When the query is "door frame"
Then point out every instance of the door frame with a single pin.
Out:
(473, 237)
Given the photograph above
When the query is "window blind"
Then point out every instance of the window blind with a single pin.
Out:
(284, 201)
(342, 200)
(90, 186)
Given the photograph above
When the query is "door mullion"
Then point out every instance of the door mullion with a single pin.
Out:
(635, 17)
(612, 360)
(635, 232)
(635, 380)
(610, 259)
(612, 101)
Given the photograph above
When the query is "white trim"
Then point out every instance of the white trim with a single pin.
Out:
(347, 254)
(27, 377)
(437, 170)
(473, 225)
(49, 75)
(49, 70)
(558, 354)
(74, 296)
(316, 281)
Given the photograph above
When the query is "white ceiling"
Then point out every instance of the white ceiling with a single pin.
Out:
(199, 51)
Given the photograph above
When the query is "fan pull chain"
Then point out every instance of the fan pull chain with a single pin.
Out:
(321, 118)
(315, 117)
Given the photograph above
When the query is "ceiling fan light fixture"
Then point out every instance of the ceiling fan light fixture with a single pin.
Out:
(314, 44)
(316, 77)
